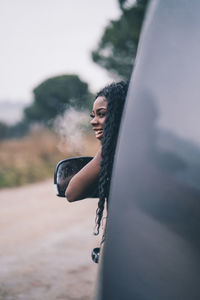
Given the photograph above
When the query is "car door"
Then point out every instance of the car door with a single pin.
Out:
(152, 247)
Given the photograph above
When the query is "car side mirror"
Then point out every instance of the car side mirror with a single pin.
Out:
(66, 169)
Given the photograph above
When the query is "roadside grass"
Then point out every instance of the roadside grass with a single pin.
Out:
(33, 158)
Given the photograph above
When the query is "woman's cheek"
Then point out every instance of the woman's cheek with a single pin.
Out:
(103, 121)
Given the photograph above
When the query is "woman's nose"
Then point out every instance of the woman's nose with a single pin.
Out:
(94, 121)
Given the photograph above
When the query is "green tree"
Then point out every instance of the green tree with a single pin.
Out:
(4, 130)
(7, 131)
(19, 129)
(117, 48)
(55, 95)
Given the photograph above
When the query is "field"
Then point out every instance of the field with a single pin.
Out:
(33, 158)
(46, 242)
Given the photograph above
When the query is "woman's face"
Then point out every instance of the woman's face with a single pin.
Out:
(98, 116)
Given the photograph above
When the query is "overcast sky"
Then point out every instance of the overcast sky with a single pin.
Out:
(45, 38)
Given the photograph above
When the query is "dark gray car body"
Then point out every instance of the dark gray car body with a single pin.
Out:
(152, 247)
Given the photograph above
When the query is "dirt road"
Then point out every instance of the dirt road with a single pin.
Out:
(45, 245)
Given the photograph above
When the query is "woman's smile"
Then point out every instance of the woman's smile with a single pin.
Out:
(98, 133)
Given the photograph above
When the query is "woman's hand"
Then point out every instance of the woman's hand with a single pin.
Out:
(81, 183)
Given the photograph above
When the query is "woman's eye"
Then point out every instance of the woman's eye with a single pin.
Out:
(98, 114)
(101, 115)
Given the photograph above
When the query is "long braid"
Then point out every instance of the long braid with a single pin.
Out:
(115, 95)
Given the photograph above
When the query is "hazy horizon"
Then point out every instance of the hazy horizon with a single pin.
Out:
(42, 39)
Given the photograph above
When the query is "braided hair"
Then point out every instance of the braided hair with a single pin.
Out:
(115, 95)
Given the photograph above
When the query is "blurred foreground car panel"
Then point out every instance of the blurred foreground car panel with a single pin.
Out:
(152, 248)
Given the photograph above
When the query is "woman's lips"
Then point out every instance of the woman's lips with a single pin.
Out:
(98, 132)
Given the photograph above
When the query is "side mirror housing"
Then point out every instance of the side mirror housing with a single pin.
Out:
(66, 169)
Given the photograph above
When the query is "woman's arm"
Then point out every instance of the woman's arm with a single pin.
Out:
(84, 179)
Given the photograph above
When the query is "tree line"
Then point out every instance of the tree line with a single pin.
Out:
(115, 52)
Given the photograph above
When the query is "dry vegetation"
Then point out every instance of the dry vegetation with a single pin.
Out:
(34, 157)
